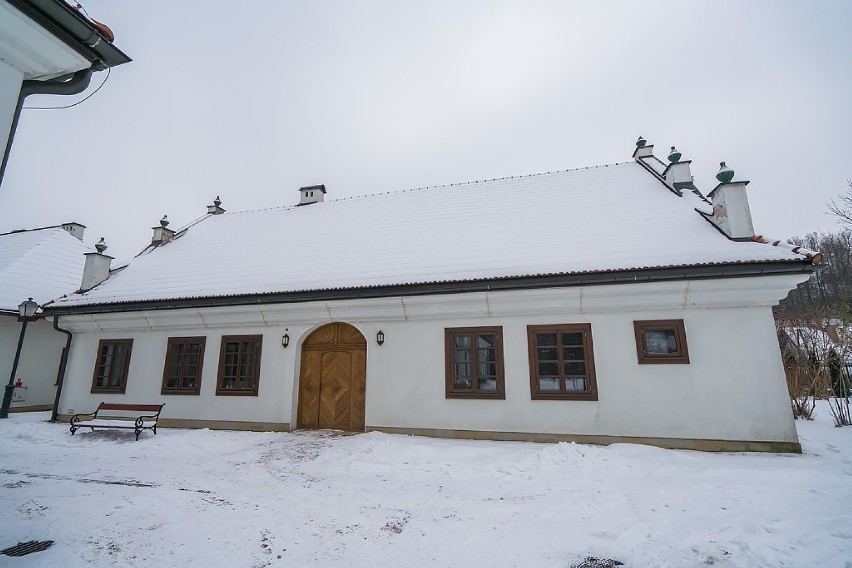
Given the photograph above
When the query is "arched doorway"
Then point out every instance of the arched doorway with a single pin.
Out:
(333, 379)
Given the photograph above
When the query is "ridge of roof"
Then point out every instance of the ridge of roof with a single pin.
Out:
(426, 188)
(18, 231)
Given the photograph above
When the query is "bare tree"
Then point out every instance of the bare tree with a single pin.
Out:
(843, 209)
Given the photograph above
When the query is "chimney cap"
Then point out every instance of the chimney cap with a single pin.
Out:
(217, 202)
(641, 142)
(725, 174)
(101, 246)
(674, 155)
(164, 222)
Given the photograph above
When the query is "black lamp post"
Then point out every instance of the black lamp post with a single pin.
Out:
(26, 310)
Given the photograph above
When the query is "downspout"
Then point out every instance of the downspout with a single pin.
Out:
(75, 85)
(63, 362)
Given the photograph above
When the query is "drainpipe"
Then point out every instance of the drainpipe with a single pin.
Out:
(75, 85)
(62, 364)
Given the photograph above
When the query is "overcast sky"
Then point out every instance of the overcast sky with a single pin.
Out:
(365, 97)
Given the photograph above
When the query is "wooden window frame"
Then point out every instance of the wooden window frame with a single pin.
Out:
(124, 370)
(681, 354)
(589, 360)
(220, 390)
(201, 341)
(451, 392)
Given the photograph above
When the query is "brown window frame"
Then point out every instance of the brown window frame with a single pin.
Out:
(123, 370)
(201, 341)
(589, 361)
(681, 354)
(244, 391)
(449, 349)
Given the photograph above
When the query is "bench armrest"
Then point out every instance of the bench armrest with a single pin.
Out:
(76, 417)
(142, 418)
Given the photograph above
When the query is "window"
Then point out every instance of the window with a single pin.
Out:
(239, 365)
(111, 365)
(562, 366)
(474, 357)
(661, 341)
(182, 371)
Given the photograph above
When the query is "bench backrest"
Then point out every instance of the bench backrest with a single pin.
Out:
(135, 407)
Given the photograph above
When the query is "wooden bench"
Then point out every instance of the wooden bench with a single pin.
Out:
(111, 420)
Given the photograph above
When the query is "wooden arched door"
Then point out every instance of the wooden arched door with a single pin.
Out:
(333, 379)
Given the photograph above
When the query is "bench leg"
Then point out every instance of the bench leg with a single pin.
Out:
(73, 429)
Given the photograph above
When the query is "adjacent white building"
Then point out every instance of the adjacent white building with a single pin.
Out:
(38, 264)
(604, 304)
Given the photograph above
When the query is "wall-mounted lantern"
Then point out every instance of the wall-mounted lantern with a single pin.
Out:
(380, 337)
(285, 340)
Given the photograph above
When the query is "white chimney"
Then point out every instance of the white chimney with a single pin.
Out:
(731, 211)
(96, 269)
(162, 235)
(215, 209)
(76, 229)
(677, 173)
(311, 194)
(643, 149)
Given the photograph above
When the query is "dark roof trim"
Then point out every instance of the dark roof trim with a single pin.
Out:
(739, 270)
(72, 28)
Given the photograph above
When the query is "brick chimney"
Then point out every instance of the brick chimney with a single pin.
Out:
(162, 235)
(311, 194)
(731, 212)
(76, 229)
(97, 266)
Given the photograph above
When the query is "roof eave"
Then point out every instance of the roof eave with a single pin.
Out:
(714, 271)
(74, 30)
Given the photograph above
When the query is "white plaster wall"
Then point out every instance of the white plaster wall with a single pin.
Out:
(10, 88)
(39, 362)
(145, 376)
(733, 388)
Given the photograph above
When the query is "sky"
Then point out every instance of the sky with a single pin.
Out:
(376, 96)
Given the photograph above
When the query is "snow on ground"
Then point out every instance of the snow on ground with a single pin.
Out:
(244, 499)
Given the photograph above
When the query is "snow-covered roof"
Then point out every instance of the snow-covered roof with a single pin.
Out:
(605, 218)
(39, 263)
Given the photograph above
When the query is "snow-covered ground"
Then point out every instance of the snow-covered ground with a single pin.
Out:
(244, 499)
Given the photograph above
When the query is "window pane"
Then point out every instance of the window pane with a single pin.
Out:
(572, 353)
(548, 384)
(486, 355)
(487, 369)
(575, 383)
(660, 341)
(463, 383)
(486, 340)
(462, 341)
(548, 368)
(574, 338)
(547, 353)
(487, 384)
(462, 354)
(545, 339)
(463, 369)
(575, 368)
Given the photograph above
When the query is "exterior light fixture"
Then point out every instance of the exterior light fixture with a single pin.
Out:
(285, 340)
(26, 310)
(380, 337)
